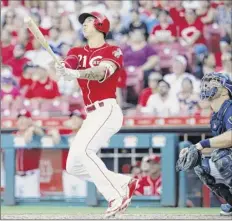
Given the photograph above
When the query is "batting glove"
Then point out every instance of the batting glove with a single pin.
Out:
(60, 69)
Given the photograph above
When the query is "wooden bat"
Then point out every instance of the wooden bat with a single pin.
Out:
(39, 36)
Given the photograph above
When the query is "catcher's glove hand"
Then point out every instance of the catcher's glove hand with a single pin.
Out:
(189, 159)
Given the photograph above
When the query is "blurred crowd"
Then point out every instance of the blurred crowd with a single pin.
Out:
(168, 46)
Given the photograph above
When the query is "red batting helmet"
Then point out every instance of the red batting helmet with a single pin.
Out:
(101, 22)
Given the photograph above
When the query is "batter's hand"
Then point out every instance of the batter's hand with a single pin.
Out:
(60, 69)
(66, 73)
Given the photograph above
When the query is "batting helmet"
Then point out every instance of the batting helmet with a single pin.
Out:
(101, 22)
(211, 82)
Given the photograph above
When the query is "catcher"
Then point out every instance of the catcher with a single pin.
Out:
(214, 171)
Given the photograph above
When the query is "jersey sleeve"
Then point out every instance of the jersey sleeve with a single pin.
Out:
(114, 54)
(150, 51)
(71, 61)
(228, 118)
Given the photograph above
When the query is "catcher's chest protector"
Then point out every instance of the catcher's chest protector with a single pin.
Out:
(217, 125)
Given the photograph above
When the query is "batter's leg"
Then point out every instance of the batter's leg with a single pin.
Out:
(96, 129)
(77, 169)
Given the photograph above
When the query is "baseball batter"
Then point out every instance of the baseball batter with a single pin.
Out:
(96, 67)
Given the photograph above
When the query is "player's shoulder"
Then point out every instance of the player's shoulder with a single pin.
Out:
(75, 50)
(114, 50)
(228, 107)
(113, 47)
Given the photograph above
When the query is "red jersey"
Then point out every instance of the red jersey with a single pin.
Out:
(177, 15)
(144, 96)
(86, 57)
(17, 65)
(149, 187)
(7, 53)
(47, 90)
(188, 30)
(170, 30)
(27, 159)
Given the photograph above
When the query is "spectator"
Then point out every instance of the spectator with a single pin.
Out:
(42, 92)
(67, 32)
(26, 80)
(163, 103)
(10, 94)
(144, 166)
(55, 20)
(225, 45)
(164, 32)
(64, 48)
(177, 13)
(151, 185)
(136, 170)
(38, 55)
(205, 12)
(137, 23)
(9, 22)
(25, 39)
(191, 30)
(151, 19)
(227, 64)
(42, 86)
(188, 99)
(18, 7)
(224, 18)
(175, 79)
(152, 88)
(18, 60)
(140, 54)
(27, 160)
(55, 41)
(117, 32)
(7, 47)
(37, 19)
(208, 65)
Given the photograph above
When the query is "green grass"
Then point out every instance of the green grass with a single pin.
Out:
(97, 210)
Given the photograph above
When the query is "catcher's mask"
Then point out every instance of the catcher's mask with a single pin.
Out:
(211, 84)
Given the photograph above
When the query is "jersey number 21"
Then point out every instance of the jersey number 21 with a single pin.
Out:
(82, 61)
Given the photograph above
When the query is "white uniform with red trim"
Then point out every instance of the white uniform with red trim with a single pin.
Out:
(104, 119)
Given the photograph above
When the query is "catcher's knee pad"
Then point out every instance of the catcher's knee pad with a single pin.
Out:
(203, 172)
(222, 158)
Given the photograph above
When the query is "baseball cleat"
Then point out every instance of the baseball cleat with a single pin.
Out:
(226, 210)
(132, 186)
(113, 208)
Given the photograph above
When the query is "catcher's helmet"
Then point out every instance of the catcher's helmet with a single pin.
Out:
(211, 82)
(101, 22)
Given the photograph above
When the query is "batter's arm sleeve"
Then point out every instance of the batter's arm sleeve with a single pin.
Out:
(71, 61)
(114, 54)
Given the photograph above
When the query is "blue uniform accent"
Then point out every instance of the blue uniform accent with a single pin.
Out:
(222, 120)
(222, 158)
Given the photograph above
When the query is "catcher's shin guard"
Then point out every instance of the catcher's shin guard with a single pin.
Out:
(219, 189)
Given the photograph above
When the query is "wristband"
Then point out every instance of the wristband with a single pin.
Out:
(205, 143)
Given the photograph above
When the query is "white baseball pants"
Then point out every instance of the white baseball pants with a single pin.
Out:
(83, 161)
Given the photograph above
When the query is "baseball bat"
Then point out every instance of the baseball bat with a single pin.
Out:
(39, 36)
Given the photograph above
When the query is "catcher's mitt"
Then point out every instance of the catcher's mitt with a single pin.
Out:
(189, 160)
